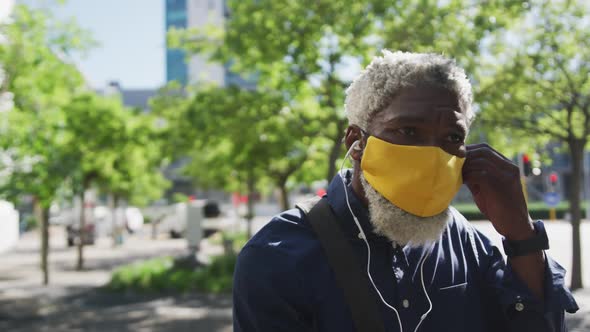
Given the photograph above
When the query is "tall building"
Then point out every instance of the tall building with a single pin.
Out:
(176, 17)
(193, 14)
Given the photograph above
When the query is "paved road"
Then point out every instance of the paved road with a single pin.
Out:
(72, 302)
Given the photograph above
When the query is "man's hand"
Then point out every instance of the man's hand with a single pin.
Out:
(495, 184)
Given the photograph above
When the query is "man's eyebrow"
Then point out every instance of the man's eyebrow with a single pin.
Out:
(414, 119)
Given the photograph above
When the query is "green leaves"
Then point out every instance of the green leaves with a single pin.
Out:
(60, 134)
(42, 82)
(539, 83)
(115, 148)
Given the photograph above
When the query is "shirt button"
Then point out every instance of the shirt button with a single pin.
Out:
(406, 303)
(519, 306)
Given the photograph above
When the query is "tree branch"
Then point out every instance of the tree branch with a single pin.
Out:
(560, 65)
(522, 124)
(570, 111)
(294, 166)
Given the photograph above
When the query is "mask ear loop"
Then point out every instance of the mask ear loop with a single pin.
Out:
(363, 236)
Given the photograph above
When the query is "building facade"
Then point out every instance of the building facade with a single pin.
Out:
(176, 17)
(194, 14)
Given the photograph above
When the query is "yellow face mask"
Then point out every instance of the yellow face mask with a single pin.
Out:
(421, 180)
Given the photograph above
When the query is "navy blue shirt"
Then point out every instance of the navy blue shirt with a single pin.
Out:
(283, 282)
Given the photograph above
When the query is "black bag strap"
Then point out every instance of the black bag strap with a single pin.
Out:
(349, 274)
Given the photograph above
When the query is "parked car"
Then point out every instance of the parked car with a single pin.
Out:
(174, 222)
(70, 218)
(74, 236)
(127, 218)
(99, 222)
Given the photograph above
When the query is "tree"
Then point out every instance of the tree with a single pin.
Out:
(235, 137)
(536, 89)
(117, 150)
(37, 72)
(295, 46)
(97, 125)
(137, 172)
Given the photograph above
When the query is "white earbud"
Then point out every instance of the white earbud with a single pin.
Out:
(356, 145)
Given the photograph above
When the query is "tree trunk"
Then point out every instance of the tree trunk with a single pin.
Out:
(577, 154)
(155, 223)
(116, 229)
(45, 245)
(111, 203)
(81, 230)
(250, 214)
(284, 193)
(42, 216)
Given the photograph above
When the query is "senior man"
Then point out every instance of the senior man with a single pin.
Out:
(383, 250)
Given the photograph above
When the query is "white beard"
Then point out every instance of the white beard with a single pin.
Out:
(400, 226)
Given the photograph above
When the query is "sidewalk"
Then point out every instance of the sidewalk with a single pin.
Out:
(72, 301)
(93, 310)
(580, 321)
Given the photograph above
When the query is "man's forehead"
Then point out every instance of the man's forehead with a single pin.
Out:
(426, 95)
(423, 109)
(426, 101)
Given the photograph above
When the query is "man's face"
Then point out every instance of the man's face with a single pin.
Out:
(419, 117)
(423, 117)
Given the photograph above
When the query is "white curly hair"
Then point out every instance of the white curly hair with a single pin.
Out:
(378, 84)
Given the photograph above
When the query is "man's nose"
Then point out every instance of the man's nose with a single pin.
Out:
(433, 140)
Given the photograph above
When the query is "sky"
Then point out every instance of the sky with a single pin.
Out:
(131, 37)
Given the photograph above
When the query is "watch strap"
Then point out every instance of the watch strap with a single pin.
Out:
(537, 242)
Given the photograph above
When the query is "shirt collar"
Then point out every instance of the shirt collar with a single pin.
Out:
(337, 199)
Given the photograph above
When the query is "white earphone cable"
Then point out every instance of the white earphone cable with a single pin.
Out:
(364, 237)
(425, 292)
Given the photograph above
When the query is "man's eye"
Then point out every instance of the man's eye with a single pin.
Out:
(407, 131)
(456, 138)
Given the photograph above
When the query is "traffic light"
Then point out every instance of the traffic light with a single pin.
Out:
(553, 177)
(526, 165)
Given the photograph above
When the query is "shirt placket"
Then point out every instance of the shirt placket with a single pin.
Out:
(408, 303)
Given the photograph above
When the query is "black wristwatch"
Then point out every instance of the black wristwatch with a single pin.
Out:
(536, 243)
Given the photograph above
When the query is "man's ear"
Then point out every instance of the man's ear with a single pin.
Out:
(353, 134)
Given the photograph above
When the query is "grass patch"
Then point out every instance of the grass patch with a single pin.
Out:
(163, 274)
(237, 239)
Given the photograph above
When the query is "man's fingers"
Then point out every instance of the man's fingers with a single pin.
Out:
(485, 173)
(497, 159)
(479, 177)
(483, 148)
(477, 189)
(486, 166)
(486, 152)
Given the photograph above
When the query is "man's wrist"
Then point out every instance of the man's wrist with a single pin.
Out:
(529, 244)
(524, 234)
(525, 231)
